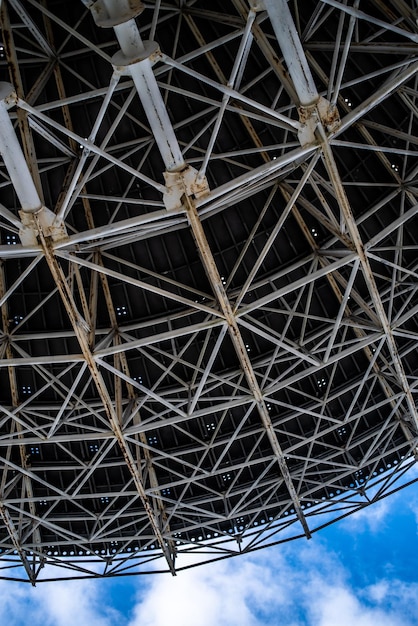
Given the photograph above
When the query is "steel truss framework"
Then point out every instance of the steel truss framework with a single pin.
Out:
(208, 278)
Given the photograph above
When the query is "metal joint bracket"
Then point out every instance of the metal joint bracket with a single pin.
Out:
(103, 19)
(8, 96)
(45, 220)
(257, 5)
(151, 52)
(185, 182)
(321, 112)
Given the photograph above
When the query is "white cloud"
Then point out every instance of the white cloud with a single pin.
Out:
(397, 597)
(330, 597)
(74, 602)
(66, 603)
(302, 584)
(296, 584)
(339, 606)
(379, 591)
(370, 518)
(227, 593)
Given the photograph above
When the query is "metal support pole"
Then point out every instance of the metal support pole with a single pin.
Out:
(12, 154)
(82, 333)
(313, 108)
(299, 70)
(21, 177)
(135, 55)
(290, 44)
(39, 221)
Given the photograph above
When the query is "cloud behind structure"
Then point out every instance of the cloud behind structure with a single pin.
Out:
(360, 572)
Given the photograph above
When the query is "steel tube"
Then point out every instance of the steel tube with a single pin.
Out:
(291, 47)
(132, 47)
(361, 15)
(156, 112)
(13, 157)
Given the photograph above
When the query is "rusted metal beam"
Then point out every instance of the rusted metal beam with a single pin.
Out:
(14, 536)
(241, 351)
(90, 308)
(299, 69)
(81, 330)
(353, 230)
(33, 208)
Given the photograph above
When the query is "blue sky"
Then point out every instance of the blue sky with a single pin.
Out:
(360, 571)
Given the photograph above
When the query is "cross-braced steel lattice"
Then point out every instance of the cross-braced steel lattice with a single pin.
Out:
(208, 276)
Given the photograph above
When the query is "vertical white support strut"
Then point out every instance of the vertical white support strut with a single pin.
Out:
(135, 55)
(13, 157)
(21, 177)
(291, 47)
(313, 108)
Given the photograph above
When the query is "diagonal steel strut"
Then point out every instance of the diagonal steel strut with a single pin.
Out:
(14, 536)
(37, 218)
(133, 53)
(82, 333)
(288, 39)
(239, 345)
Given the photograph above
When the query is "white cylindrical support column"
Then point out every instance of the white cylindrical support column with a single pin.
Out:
(291, 47)
(156, 112)
(13, 156)
(135, 55)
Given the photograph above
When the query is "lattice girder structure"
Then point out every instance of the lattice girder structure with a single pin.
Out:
(208, 278)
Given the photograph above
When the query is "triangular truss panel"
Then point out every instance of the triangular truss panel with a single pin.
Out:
(208, 276)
